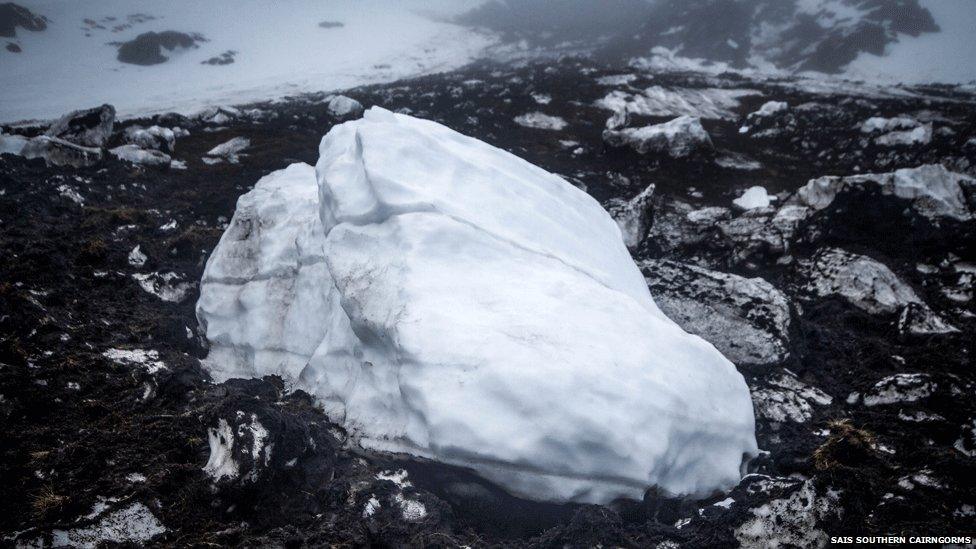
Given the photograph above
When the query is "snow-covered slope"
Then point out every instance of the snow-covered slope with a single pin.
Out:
(444, 298)
(277, 48)
(909, 41)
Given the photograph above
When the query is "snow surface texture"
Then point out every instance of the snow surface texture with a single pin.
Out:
(281, 50)
(444, 298)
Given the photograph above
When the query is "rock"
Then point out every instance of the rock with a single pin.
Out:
(707, 103)
(540, 121)
(133, 524)
(154, 137)
(13, 48)
(678, 138)
(147, 48)
(753, 197)
(790, 521)
(438, 316)
(331, 25)
(933, 191)
(219, 115)
(900, 388)
(225, 58)
(787, 399)
(917, 319)
(143, 157)
(13, 16)
(345, 108)
(167, 286)
(877, 124)
(633, 216)
(769, 108)
(87, 127)
(747, 319)
(862, 281)
(58, 152)
(230, 150)
(922, 135)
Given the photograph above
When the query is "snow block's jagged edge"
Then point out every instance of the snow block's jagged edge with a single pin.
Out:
(381, 211)
(582, 485)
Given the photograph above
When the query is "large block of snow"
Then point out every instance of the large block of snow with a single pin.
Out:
(444, 298)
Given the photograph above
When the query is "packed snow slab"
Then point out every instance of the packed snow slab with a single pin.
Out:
(444, 298)
(281, 50)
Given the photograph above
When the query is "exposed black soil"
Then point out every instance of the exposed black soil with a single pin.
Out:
(77, 425)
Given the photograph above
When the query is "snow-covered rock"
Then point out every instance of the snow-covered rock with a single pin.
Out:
(922, 135)
(133, 524)
(137, 258)
(218, 115)
(753, 197)
(229, 150)
(786, 398)
(154, 137)
(708, 103)
(747, 319)
(344, 108)
(58, 152)
(540, 121)
(790, 521)
(933, 190)
(677, 138)
(633, 216)
(917, 319)
(144, 157)
(769, 108)
(864, 282)
(167, 286)
(444, 298)
(900, 388)
(878, 124)
(87, 128)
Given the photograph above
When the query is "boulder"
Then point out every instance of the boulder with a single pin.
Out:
(677, 138)
(443, 298)
(86, 127)
(747, 319)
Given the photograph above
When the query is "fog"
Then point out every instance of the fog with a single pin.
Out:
(227, 51)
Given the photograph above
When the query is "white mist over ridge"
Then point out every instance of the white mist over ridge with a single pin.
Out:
(280, 50)
(444, 298)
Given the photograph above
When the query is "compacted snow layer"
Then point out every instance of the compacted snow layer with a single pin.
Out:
(444, 298)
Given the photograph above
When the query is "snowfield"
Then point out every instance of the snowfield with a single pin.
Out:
(281, 50)
(444, 298)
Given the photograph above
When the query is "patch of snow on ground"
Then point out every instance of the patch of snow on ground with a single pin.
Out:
(754, 197)
(221, 462)
(788, 522)
(148, 359)
(540, 121)
(465, 273)
(133, 524)
(166, 286)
